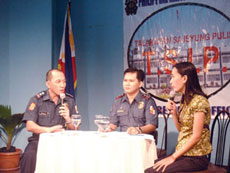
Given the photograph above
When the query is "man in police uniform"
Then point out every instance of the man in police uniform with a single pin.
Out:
(134, 111)
(46, 112)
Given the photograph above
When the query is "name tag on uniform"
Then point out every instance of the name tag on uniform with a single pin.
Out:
(43, 113)
(120, 110)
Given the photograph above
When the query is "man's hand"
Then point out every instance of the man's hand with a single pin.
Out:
(64, 112)
(35, 128)
(133, 131)
(56, 128)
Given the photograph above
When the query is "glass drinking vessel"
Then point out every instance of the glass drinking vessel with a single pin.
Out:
(76, 119)
(102, 122)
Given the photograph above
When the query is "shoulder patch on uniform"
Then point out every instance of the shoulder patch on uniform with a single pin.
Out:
(41, 94)
(32, 106)
(146, 96)
(152, 110)
(122, 95)
(69, 95)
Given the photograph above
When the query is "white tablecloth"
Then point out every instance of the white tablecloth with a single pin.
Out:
(94, 152)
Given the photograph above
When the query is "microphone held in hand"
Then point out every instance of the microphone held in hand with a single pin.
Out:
(172, 95)
(62, 96)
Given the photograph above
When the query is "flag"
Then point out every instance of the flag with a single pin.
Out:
(66, 62)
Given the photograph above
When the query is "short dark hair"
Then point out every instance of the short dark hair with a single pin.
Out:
(49, 73)
(140, 73)
(192, 85)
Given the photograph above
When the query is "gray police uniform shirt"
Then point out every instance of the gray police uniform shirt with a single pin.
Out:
(142, 111)
(44, 112)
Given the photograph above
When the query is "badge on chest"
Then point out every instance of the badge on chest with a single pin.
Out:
(141, 105)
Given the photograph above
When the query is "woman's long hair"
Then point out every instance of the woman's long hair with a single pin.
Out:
(192, 85)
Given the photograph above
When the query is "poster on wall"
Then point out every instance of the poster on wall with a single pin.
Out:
(161, 33)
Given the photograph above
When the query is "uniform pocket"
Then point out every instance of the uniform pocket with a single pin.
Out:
(43, 118)
(139, 116)
(123, 118)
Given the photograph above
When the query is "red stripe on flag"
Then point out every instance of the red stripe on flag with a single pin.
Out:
(74, 72)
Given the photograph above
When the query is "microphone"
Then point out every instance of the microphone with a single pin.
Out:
(172, 95)
(62, 96)
(76, 109)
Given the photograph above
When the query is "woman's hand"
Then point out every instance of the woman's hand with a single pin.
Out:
(162, 164)
(171, 107)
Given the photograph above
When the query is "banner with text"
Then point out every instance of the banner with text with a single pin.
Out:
(160, 33)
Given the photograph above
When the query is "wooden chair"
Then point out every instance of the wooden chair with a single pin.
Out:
(221, 129)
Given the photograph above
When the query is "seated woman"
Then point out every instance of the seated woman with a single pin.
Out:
(192, 121)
